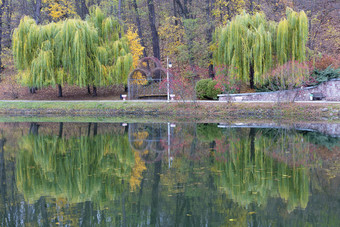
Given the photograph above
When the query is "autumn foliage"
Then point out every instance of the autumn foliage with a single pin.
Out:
(323, 62)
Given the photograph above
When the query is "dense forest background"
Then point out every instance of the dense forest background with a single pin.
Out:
(180, 29)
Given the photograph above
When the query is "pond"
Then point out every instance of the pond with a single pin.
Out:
(166, 174)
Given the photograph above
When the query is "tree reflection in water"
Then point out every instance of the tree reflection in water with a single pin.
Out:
(229, 176)
(249, 169)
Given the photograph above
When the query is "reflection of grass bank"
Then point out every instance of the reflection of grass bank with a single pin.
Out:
(295, 111)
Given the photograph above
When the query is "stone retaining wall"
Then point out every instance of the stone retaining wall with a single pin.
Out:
(330, 89)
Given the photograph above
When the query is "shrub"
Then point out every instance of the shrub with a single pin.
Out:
(201, 88)
(207, 89)
(213, 90)
(208, 132)
(224, 82)
(320, 76)
(287, 76)
(325, 61)
(322, 139)
(182, 81)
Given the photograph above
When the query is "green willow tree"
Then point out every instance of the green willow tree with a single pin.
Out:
(74, 52)
(251, 45)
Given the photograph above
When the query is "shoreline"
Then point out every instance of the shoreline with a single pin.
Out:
(326, 128)
(190, 110)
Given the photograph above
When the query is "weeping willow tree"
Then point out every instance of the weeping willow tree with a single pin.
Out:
(292, 35)
(248, 176)
(113, 52)
(74, 52)
(77, 169)
(250, 45)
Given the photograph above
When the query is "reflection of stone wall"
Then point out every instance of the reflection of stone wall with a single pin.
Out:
(325, 128)
(330, 129)
(330, 89)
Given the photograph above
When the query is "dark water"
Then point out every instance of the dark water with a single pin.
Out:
(88, 174)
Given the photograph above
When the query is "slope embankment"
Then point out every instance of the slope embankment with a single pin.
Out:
(306, 111)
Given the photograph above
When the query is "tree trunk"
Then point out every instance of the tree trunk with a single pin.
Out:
(34, 127)
(183, 8)
(23, 7)
(140, 195)
(252, 134)
(186, 10)
(61, 129)
(9, 12)
(94, 91)
(3, 182)
(78, 8)
(175, 11)
(190, 43)
(87, 214)
(89, 129)
(37, 11)
(252, 7)
(155, 194)
(211, 68)
(60, 91)
(43, 207)
(139, 27)
(88, 89)
(251, 75)
(32, 90)
(209, 36)
(1, 33)
(82, 8)
(121, 10)
(155, 38)
(95, 129)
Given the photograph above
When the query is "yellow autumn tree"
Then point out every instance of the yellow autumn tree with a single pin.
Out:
(139, 166)
(59, 9)
(135, 45)
(171, 35)
(136, 49)
(224, 10)
(137, 171)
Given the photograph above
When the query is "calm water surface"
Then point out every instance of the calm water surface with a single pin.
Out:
(89, 174)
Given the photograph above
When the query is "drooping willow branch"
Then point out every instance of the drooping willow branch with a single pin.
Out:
(253, 174)
(75, 52)
(250, 45)
(78, 168)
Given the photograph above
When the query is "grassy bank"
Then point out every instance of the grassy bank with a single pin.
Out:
(204, 110)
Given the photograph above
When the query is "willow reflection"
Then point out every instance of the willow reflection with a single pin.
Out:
(250, 168)
(78, 168)
(122, 177)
